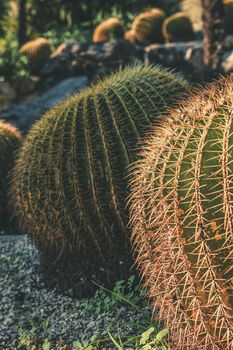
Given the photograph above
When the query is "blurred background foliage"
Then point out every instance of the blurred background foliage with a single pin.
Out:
(58, 21)
(68, 18)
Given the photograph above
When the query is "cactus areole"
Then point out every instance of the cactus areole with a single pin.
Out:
(71, 176)
(182, 210)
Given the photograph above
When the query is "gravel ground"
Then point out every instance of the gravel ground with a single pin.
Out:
(30, 313)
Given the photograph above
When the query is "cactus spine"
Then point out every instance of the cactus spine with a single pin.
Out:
(112, 28)
(147, 27)
(10, 139)
(178, 27)
(182, 220)
(38, 51)
(70, 178)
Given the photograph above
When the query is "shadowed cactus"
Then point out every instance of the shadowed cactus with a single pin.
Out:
(70, 181)
(182, 220)
(178, 28)
(112, 28)
(10, 139)
(147, 27)
(38, 52)
(228, 8)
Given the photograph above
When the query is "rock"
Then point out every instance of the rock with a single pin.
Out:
(7, 95)
(227, 62)
(76, 58)
(24, 114)
(185, 58)
(8, 322)
(228, 42)
(25, 85)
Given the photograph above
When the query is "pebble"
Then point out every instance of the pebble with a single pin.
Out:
(27, 307)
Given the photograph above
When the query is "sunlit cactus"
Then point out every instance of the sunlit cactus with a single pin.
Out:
(112, 28)
(194, 10)
(38, 51)
(70, 183)
(10, 139)
(178, 28)
(59, 50)
(129, 35)
(147, 27)
(182, 210)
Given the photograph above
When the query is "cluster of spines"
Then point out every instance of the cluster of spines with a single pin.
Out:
(182, 220)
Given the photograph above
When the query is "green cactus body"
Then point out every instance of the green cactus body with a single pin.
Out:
(112, 28)
(70, 179)
(9, 140)
(182, 220)
(147, 27)
(178, 28)
(38, 52)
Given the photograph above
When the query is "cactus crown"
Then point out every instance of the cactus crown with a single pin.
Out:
(178, 27)
(70, 179)
(38, 51)
(112, 28)
(9, 140)
(182, 219)
(147, 26)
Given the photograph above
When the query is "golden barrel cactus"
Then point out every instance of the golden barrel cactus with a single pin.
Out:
(178, 28)
(112, 28)
(10, 139)
(147, 27)
(70, 184)
(182, 220)
(129, 35)
(38, 51)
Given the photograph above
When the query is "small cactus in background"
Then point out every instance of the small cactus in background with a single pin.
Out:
(194, 10)
(38, 52)
(59, 50)
(228, 8)
(70, 183)
(10, 139)
(147, 27)
(182, 220)
(129, 35)
(112, 28)
(178, 28)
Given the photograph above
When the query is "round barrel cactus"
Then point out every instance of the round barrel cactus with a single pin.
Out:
(70, 183)
(112, 28)
(181, 215)
(38, 51)
(147, 27)
(10, 139)
(178, 28)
